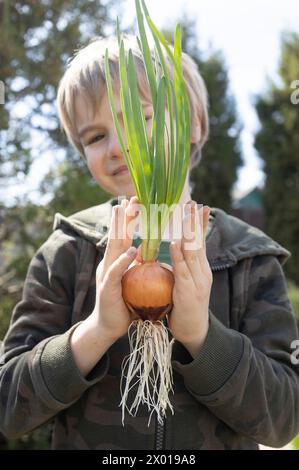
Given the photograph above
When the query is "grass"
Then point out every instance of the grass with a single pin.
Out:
(295, 443)
(294, 299)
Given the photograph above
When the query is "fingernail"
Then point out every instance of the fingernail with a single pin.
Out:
(187, 208)
(132, 209)
(175, 244)
(131, 251)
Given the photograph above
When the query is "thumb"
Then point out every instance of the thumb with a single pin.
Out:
(138, 258)
(167, 266)
(118, 268)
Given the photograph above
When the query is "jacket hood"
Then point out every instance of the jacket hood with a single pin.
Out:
(229, 239)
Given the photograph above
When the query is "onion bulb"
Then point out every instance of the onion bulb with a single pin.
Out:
(147, 290)
(159, 182)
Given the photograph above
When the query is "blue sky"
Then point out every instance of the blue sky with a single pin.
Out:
(248, 33)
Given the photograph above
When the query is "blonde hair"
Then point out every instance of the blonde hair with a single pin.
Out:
(85, 76)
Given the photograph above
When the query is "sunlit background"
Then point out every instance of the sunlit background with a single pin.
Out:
(248, 53)
(248, 33)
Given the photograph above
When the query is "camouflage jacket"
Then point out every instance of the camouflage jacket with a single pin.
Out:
(243, 388)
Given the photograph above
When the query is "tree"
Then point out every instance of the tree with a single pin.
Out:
(66, 182)
(37, 39)
(277, 142)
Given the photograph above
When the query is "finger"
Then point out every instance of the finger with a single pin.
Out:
(206, 215)
(116, 270)
(202, 218)
(192, 230)
(114, 243)
(166, 266)
(118, 240)
(192, 241)
(202, 255)
(138, 257)
(201, 221)
(115, 235)
(196, 259)
(130, 221)
(204, 222)
(179, 266)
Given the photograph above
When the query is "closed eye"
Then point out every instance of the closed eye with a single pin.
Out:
(95, 139)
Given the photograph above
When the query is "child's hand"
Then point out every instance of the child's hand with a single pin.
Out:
(113, 317)
(189, 319)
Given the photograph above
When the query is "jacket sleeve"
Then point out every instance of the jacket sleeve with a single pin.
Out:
(249, 378)
(38, 375)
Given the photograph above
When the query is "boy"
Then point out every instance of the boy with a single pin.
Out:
(233, 373)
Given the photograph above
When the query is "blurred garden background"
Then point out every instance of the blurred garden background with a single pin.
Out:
(249, 167)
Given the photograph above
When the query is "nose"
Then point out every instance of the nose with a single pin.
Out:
(114, 147)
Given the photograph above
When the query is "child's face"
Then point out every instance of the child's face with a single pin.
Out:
(101, 146)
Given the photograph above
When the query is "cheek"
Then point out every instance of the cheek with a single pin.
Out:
(96, 169)
(93, 160)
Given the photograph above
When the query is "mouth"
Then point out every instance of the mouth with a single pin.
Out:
(122, 170)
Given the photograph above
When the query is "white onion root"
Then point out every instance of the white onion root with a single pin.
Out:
(149, 366)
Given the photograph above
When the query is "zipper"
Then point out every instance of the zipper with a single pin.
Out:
(220, 267)
(160, 427)
(160, 435)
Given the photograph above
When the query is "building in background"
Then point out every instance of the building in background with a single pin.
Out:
(250, 208)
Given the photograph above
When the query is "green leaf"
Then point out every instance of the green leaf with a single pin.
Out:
(139, 124)
(158, 147)
(158, 164)
(143, 44)
(116, 123)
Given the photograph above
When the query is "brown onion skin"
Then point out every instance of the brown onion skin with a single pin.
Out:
(147, 290)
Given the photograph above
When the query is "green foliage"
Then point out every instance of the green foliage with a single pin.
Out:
(213, 179)
(158, 180)
(25, 229)
(39, 37)
(216, 175)
(71, 188)
(295, 442)
(294, 299)
(6, 306)
(40, 439)
(278, 145)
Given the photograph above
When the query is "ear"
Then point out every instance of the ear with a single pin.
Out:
(196, 132)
